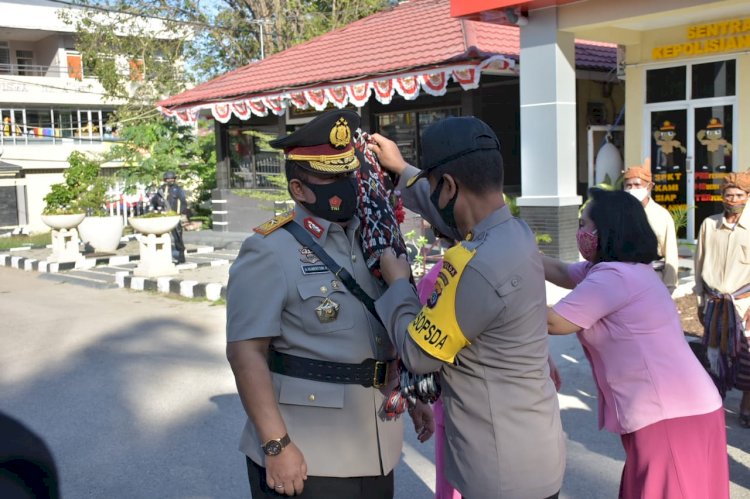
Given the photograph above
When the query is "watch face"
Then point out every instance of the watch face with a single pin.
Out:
(273, 448)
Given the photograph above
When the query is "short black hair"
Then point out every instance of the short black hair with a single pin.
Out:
(622, 228)
(480, 171)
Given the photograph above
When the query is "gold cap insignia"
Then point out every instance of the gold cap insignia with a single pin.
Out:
(340, 135)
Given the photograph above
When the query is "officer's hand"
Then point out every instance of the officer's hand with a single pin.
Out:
(388, 154)
(394, 267)
(424, 420)
(286, 472)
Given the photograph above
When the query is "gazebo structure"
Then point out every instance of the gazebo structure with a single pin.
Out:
(402, 69)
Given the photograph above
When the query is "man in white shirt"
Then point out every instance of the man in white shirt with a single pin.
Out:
(638, 183)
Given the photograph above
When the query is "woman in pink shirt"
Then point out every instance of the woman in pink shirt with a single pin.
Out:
(652, 389)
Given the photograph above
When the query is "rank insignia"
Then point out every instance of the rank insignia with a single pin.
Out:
(313, 227)
(341, 135)
(273, 224)
(307, 255)
(327, 311)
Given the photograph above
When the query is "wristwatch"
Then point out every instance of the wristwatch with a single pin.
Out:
(274, 447)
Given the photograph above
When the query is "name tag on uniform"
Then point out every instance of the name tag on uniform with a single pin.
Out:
(314, 269)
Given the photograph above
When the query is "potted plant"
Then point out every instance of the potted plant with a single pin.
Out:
(155, 222)
(99, 230)
(61, 210)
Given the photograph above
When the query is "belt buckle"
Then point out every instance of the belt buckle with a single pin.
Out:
(379, 364)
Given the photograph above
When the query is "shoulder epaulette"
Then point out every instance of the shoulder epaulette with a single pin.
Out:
(267, 227)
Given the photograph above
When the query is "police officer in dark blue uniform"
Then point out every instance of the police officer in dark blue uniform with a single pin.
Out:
(171, 197)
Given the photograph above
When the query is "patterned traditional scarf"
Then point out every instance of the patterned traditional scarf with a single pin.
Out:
(380, 211)
(724, 337)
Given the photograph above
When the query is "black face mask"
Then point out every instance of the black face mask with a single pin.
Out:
(335, 202)
(447, 214)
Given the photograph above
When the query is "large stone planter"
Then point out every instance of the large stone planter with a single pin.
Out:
(154, 225)
(155, 245)
(63, 221)
(102, 233)
(65, 241)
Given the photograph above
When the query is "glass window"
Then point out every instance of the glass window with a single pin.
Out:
(668, 84)
(39, 122)
(25, 61)
(406, 128)
(64, 124)
(4, 58)
(713, 79)
(402, 129)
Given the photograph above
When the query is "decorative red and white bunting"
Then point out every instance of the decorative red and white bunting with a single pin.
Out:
(407, 85)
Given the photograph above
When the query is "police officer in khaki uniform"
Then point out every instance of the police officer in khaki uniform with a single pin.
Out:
(484, 326)
(313, 366)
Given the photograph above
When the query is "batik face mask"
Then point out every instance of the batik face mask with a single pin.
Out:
(733, 208)
(588, 244)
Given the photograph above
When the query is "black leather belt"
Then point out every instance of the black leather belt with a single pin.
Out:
(370, 373)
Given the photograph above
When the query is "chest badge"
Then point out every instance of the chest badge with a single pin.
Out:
(327, 311)
(307, 256)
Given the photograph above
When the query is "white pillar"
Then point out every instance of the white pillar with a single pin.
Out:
(549, 199)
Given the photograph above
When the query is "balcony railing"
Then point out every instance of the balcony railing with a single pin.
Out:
(33, 70)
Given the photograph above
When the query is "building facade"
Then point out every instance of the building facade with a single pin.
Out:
(686, 64)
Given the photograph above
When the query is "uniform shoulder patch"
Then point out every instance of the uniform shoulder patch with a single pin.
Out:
(271, 225)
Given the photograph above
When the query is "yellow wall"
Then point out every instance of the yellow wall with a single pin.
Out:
(742, 138)
(639, 57)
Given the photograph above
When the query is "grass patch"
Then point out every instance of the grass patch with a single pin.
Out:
(18, 241)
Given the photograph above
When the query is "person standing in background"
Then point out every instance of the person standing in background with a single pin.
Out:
(722, 288)
(171, 197)
(638, 183)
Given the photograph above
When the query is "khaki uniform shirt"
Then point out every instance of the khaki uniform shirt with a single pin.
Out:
(722, 258)
(662, 224)
(274, 287)
(502, 422)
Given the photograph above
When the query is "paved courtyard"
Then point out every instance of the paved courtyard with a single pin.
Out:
(132, 392)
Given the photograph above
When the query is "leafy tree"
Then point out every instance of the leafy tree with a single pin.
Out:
(142, 51)
(151, 148)
(83, 189)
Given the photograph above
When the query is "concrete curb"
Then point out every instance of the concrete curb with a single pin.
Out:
(124, 279)
(187, 288)
(33, 264)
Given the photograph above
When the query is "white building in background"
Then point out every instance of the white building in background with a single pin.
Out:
(49, 107)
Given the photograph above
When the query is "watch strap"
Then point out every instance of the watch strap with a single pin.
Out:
(283, 442)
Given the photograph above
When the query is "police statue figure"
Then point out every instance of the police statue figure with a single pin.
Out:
(313, 366)
(171, 197)
(484, 327)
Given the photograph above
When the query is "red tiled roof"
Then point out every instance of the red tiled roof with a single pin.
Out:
(413, 35)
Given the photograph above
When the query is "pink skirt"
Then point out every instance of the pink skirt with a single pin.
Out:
(680, 458)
